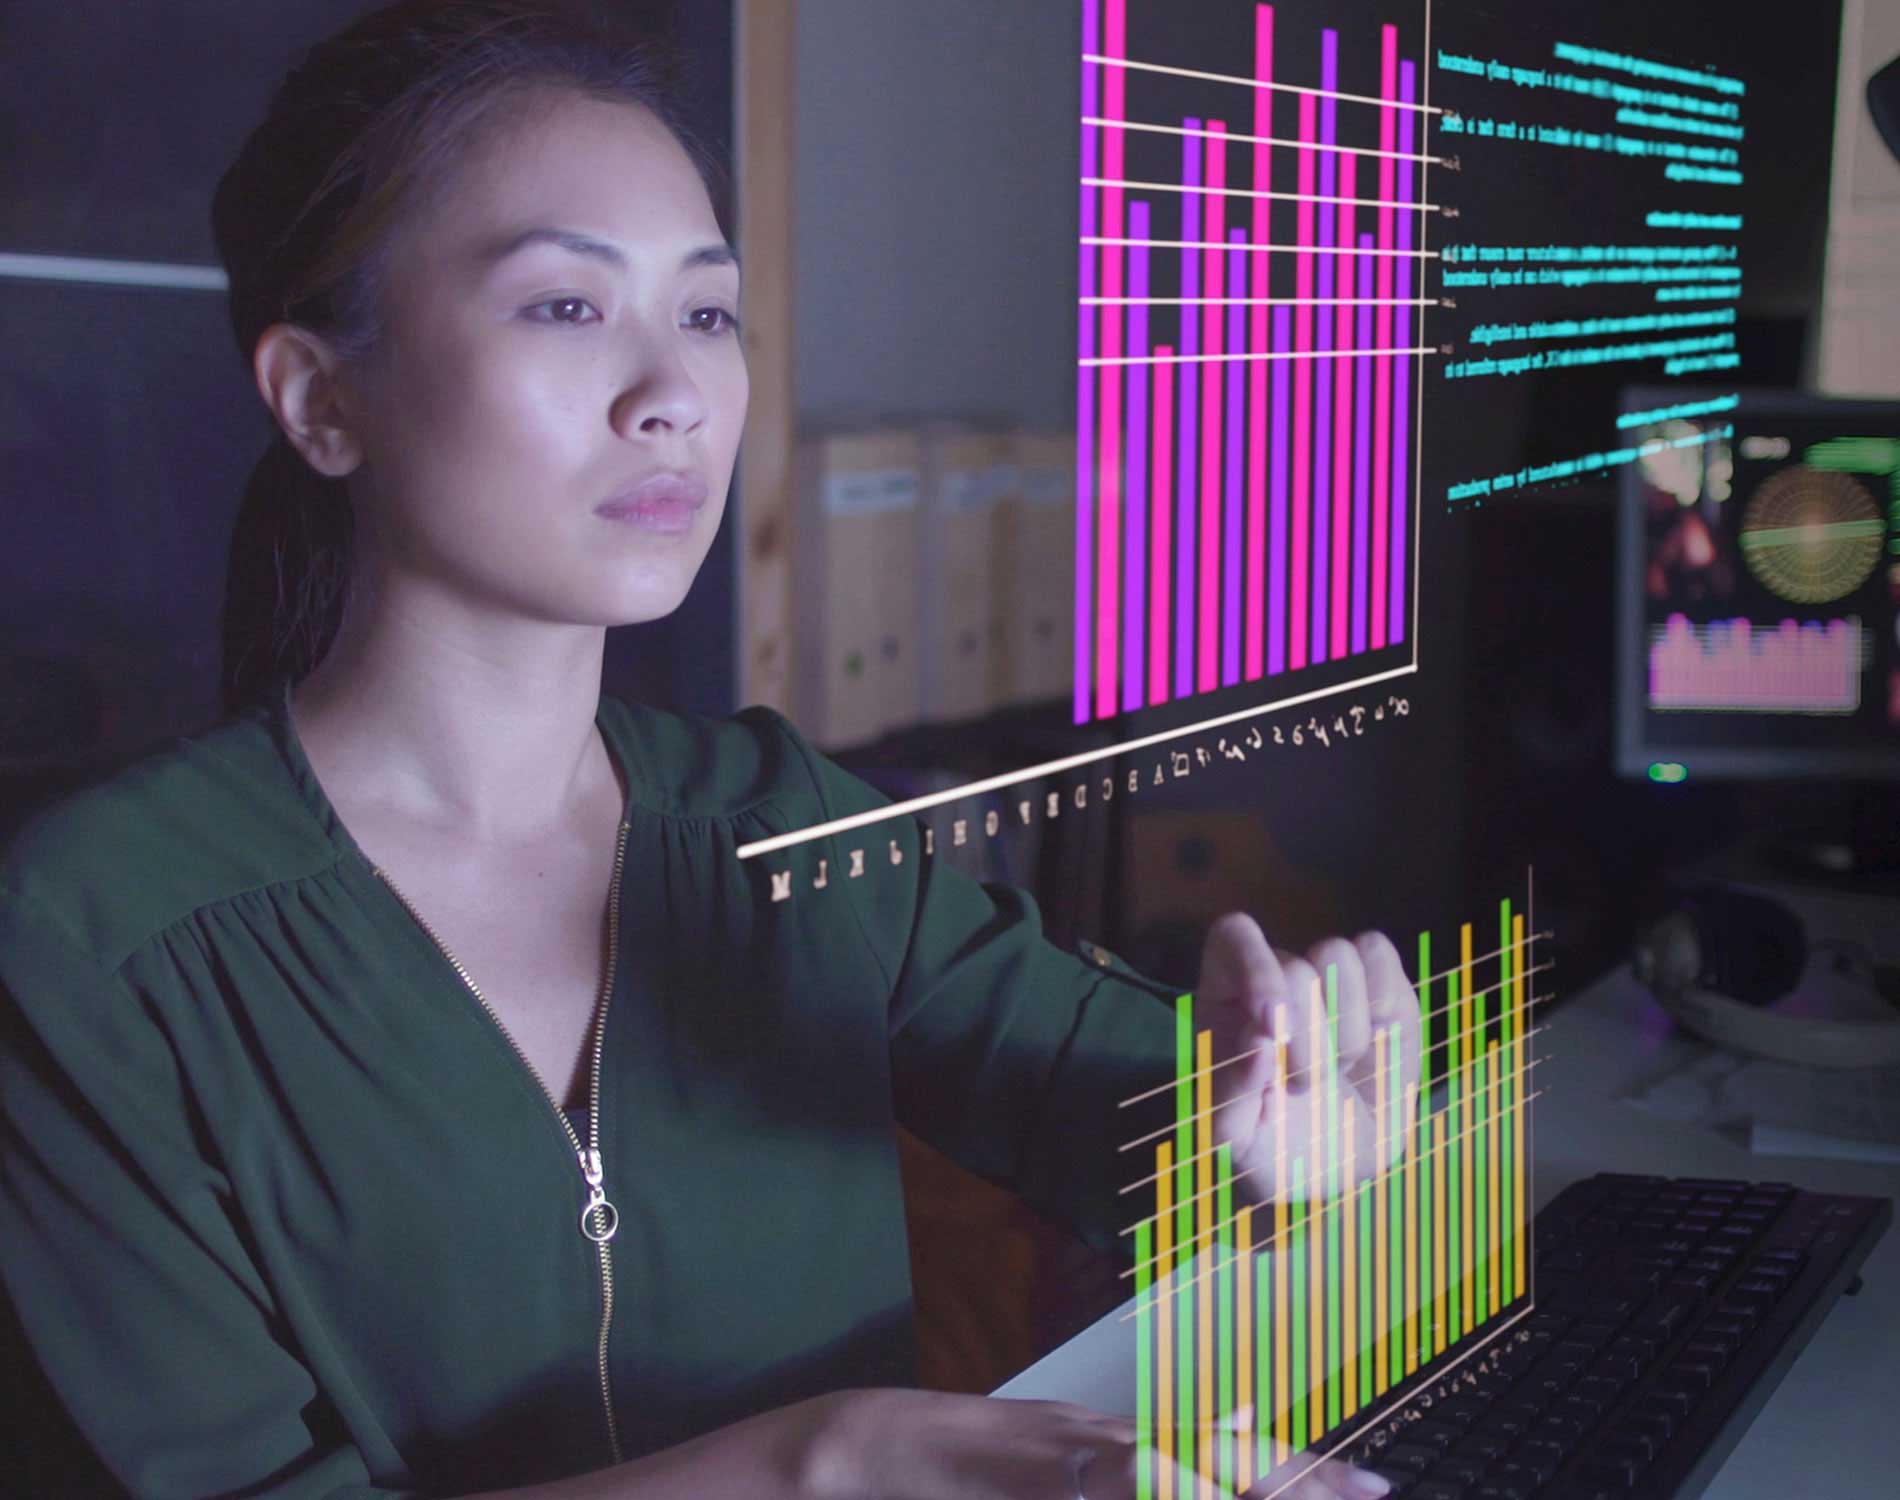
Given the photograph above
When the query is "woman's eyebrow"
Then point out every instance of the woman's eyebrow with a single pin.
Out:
(573, 241)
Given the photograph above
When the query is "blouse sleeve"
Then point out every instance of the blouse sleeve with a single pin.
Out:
(121, 1256)
(1011, 1055)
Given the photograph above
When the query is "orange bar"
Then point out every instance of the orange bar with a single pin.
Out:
(1163, 1293)
(1204, 1246)
(1496, 1205)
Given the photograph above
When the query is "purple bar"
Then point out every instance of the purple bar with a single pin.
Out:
(1236, 419)
(1323, 413)
(1281, 372)
(1085, 375)
(1135, 490)
(1362, 446)
(1402, 364)
(1187, 433)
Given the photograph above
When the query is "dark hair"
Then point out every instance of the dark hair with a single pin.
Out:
(368, 129)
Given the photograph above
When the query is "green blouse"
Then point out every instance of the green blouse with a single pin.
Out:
(283, 1214)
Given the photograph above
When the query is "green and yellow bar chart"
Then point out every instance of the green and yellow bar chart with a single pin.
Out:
(1308, 1309)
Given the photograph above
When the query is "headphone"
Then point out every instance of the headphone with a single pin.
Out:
(1724, 953)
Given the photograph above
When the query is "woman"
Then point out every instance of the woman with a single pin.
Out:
(408, 1092)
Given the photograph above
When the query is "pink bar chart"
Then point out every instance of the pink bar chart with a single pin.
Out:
(1807, 666)
(1250, 346)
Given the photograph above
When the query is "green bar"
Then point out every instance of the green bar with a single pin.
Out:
(1368, 1270)
(1333, 1360)
(1144, 1374)
(1395, 1218)
(1507, 1180)
(1224, 1310)
(1481, 1189)
(1426, 1308)
(1425, 1014)
(1297, 1274)
(1454, 1205)
(1183, 1211)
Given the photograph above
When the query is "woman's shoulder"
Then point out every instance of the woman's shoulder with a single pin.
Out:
(180, 825)
(688, 765)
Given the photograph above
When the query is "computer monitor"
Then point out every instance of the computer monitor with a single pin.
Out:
(1758, 563)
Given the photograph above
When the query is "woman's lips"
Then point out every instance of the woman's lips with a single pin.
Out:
(666, 502)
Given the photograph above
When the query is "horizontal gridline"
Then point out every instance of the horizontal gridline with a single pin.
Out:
(1241, 245)
(1227, 192)
(1256, 83)
(1198, 359)
(1260, 140)
(1260, 302)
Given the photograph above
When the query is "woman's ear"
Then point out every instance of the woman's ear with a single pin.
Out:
(296, 375)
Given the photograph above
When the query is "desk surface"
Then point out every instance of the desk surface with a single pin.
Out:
(1830, 1427)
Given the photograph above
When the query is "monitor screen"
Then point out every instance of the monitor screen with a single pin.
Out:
(1758, 586)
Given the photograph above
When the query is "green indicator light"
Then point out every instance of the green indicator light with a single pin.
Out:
(1668, 772)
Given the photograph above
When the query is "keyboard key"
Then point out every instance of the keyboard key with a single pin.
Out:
(1613, 1469)
(1559, 1432)
(1618, 1371)
(1514, 1475)
(1438, 1436)
(1431, 1489)
(1591, 1332)
(1458, 1469)
(1595, 1388)
(1542, 1458)
(1496, 1489)
(1410, 1458)
(1485, 1444)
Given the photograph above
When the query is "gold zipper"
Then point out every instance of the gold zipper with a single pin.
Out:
(599, 1218)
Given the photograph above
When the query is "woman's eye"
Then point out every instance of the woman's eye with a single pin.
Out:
(707, 320)
(560, 302)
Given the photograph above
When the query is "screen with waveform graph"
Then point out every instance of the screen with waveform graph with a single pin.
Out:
(1758, 578)
(1250, 343)
(1346, 1293)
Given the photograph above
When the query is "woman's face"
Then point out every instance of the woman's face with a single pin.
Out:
(521, 389)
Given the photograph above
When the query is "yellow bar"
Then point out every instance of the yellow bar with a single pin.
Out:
(1435, 1137)
(1316, 1238)
(1243, 1341)
(1163, 1293)
(1411, 1230)
(1204, 1245)
(1492, 1077)
(1467, 1189)
(1381, 1226)
(1349, 1290)
(1282, 1382)
(1521, 1215)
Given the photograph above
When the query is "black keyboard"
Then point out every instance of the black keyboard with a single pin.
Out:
(1666, 1311)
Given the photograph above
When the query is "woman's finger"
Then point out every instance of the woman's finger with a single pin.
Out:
(1338, 963)
(1301, 1021)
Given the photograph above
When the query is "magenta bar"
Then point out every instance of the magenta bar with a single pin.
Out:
(1282, 380)
(1342, 406)
(1109, 518)
(1257, 341)
(1328, 269)
(1402, 381)
(1362, 443)
(1190, 448)
(1382, 373)
(1135, 518)
(1236, 391)
(1214, 232)
(1085, 374)
(1161, 552)
(1302, 388)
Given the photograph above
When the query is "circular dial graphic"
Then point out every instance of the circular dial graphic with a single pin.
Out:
(1811, 535)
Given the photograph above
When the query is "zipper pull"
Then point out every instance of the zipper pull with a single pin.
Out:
(596, 1199)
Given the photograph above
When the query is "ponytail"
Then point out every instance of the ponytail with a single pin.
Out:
(287, 575)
